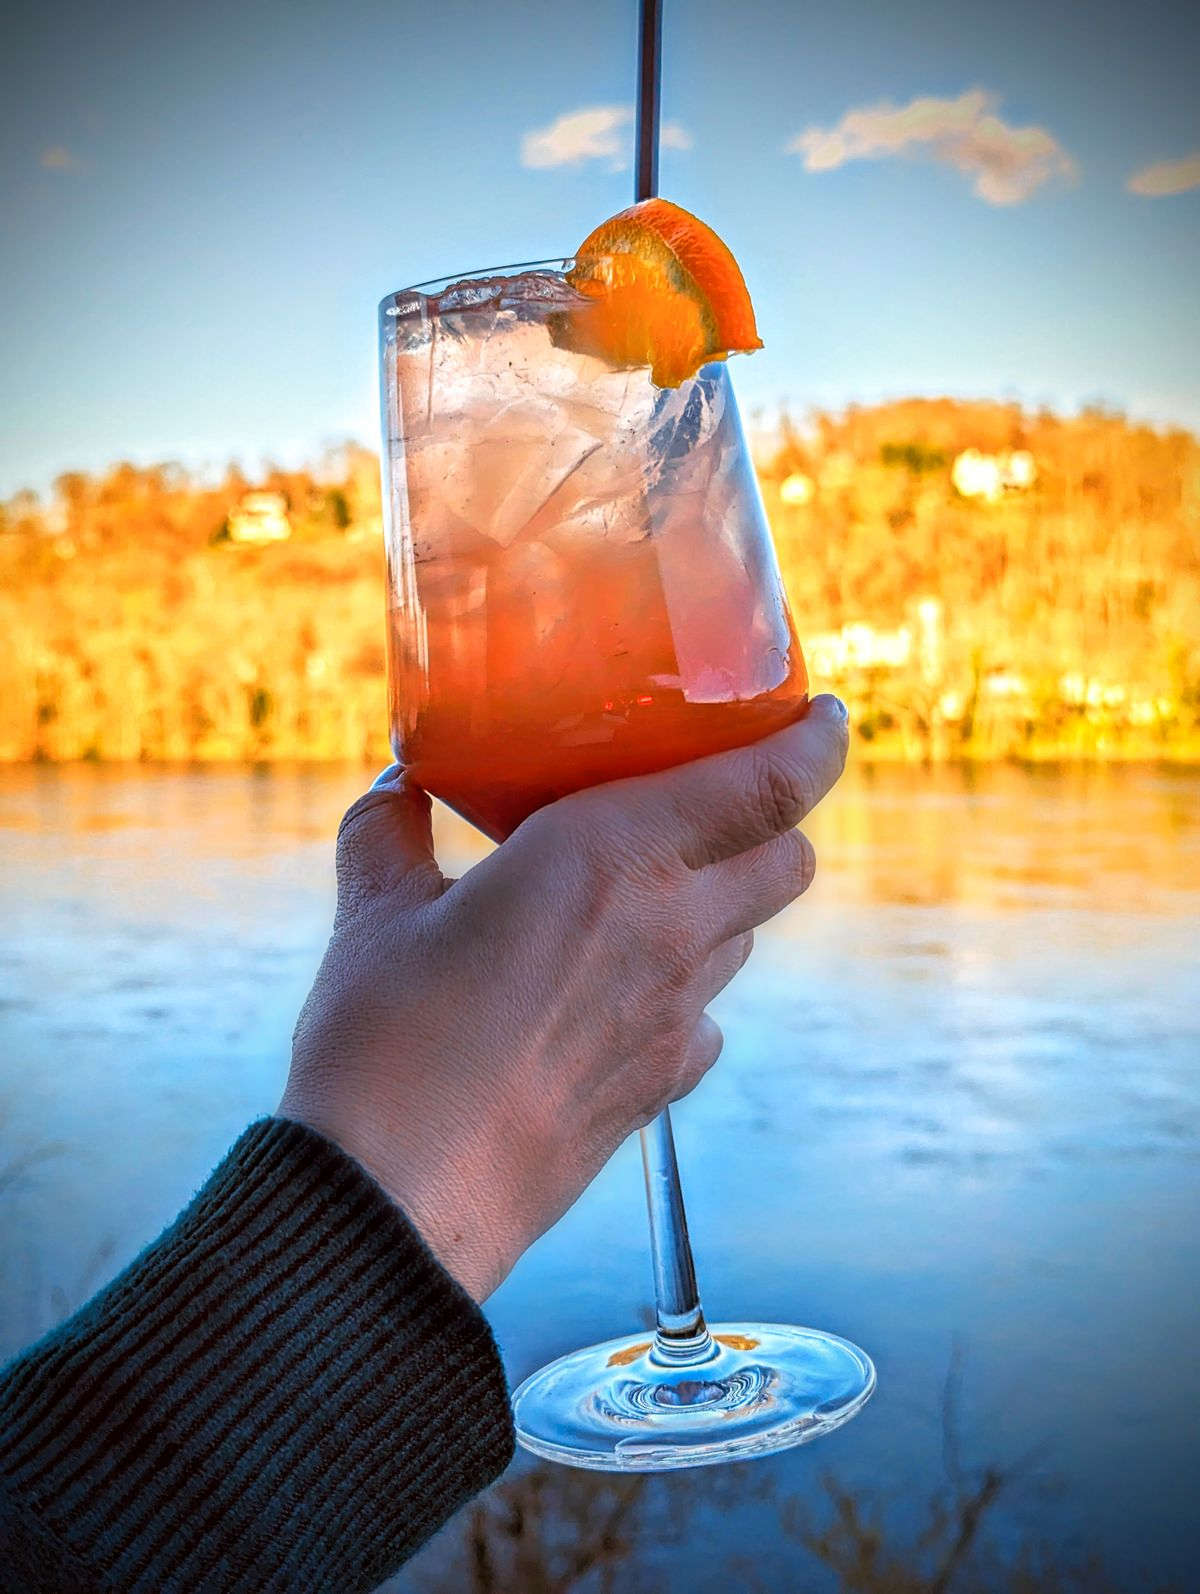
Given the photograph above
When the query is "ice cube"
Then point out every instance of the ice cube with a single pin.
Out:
(615, 519)
(457, 368)
(438, 536)
(540, 292)
(409, 324)
(688, 416)
(468, 294)
(602, 499)
(530, 597)
(612, 405)
(497, 469)
(521, 438)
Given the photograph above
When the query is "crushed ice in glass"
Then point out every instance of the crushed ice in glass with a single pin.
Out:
(512, 432)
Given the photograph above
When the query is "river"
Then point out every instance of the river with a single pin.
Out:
(957, 1120)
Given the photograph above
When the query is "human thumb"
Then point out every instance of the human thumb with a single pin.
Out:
(385, 847)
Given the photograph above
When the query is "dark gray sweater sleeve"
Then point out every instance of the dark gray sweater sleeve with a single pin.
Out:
(284, 1392)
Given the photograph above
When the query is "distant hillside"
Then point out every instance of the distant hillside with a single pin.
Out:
(150, 617)
(1058, 619)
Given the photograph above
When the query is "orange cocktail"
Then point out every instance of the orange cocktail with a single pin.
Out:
(583, 587)
(582, 582)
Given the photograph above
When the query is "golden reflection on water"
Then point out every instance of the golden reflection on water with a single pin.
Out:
(998, 838)
(1003, 839)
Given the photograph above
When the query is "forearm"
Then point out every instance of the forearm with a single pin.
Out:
(285, 1391)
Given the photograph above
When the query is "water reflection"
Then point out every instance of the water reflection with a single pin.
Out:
(1006, 838)
(550, 1530)
(960, 1101)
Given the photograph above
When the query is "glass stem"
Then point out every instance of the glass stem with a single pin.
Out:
(682, 1335)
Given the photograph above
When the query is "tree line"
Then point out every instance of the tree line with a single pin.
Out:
(1059, 620)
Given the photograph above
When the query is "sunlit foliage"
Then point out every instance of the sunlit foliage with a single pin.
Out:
(1058, 620)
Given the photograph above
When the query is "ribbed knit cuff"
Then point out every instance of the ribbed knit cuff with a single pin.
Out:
(284, 1392)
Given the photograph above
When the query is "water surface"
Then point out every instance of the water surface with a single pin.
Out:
(957, 1120)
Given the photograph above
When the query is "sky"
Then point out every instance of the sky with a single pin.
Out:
(203, 204)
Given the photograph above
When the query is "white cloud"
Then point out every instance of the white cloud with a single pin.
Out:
(594, 132)
(58, 159)
(1167, 177)
(1006, 164)
(672, 136)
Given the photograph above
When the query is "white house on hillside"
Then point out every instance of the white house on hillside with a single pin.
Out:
(990, 476)
(260, 517)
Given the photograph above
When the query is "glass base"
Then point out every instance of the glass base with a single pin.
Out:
(631, 1406)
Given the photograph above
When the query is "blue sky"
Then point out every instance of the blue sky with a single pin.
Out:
(203, 203)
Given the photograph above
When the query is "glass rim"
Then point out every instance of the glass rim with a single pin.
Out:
(435, 285)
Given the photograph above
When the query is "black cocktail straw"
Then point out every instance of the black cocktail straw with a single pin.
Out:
(649, 95)
(682, 1337)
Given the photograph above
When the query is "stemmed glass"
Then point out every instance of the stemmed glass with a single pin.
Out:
(582, 587)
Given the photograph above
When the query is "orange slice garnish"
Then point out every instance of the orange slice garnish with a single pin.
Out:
(665, 291)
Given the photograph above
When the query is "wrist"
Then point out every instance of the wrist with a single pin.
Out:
(444, 1203)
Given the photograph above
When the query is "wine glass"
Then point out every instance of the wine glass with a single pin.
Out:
(582, 587)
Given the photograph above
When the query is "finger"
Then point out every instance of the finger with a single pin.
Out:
(751, 888)
(722, 964)
(703, 1050)
(725, 804)
(385, 846)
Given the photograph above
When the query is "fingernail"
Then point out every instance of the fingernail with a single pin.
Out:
(388, 775)
(832, 707)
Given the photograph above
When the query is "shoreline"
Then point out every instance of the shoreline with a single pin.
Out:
(863, 755)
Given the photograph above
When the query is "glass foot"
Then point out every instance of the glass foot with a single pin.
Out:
(751, 1390)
